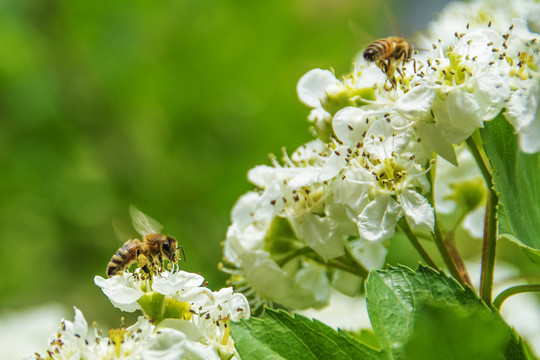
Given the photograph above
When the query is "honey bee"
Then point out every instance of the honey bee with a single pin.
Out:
(148, 253)
(387, 53)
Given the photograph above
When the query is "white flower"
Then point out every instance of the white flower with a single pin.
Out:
(470, 81)
(140, 341)
(250, 220)
(201, 314)
(523, 113)
(462, 16)
(253, 270)
(207, 332)
(312, 87)
(380, 184)
(122, 290)
(484, 64)
(298, 194)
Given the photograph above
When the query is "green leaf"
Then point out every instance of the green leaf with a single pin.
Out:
(399, 301)
(517, 182)
(393, 295)
(278, 335)
(460, 335)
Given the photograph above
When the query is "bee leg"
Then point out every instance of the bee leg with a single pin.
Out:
(145, 269)
(393, 81)
(141, 260)
(381, 64)
(390, 70)
(160, 264)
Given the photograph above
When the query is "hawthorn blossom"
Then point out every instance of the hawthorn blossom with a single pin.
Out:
(253, 270)
(177, 297)
(493, 59)
(140, 341)
(342, 195)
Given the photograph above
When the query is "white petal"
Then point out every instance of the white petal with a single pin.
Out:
(188, 328)
(492, 91)
(433, 137)
(353, 191)
(304, 177)
(371, 255)
(238, 307)
(346, 283)
(529, 137)
(271, 282)
(320, 233)
(417, 102)
(262, 175)
(168, 344)
(309, 151)
(314, 278)
(176, 282)
(119, 291)
(334, 165)
(379, 219)
(446, 120)
(350, 125)
(463, 110)
(80, 326)
(312, 86)
(474, 43)
(392, 141)
(417, 209)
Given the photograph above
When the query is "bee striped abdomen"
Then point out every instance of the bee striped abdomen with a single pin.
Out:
(123, 257)
(378, 50)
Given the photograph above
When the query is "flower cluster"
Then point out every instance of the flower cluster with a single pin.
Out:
(183, 319)
(140, 341)
(321, 216)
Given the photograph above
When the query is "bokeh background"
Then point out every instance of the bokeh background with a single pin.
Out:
(161, 104)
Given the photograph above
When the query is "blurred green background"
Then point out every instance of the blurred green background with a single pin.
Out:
(161, 104)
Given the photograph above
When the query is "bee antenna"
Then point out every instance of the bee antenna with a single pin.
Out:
(183, 253)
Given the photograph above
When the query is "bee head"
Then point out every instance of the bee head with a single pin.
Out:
(371, 54)
(169, 247)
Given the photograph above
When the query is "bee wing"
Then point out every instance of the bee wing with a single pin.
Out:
(122, 231)
(143, 223)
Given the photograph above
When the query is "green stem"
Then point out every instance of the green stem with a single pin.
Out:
(353, 268)
(405, 227)
(299, 252)
(450, 256)
(490, 226)
(446, 246)
(361, 267)
(479, 160)
(513, 291)
(488, 248)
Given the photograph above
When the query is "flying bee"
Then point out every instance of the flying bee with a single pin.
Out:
(387, 53)
(148, 253)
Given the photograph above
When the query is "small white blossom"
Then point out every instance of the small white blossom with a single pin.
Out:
(138, 342)
(179, 297)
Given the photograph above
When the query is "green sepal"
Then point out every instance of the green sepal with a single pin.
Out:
(152, 304)
(175, 309)
(349, 96)
(280, 238)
